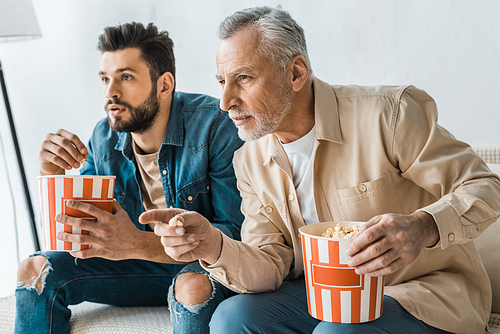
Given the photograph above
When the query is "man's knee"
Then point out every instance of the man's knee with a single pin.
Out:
(192, 288)
(32, 271)
(237, 314)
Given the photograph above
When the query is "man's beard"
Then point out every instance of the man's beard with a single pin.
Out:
(141, 118)
(265, 123)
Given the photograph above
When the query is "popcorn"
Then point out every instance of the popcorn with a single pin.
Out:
(175, 222)
(341, 232)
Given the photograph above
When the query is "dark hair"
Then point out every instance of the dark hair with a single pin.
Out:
(156, 47)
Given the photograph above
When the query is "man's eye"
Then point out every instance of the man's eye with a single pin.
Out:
(105, 80)
(243, 77)
(222, 82)
(126, 78)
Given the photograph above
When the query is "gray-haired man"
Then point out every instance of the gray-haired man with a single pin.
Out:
(317, 153)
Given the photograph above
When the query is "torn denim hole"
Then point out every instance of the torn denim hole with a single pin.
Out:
(194, 308)
(44, 271)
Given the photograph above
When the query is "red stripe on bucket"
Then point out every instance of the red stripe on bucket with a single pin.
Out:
(51, 189)
(68, 193)
(373, 296)
(104, 189)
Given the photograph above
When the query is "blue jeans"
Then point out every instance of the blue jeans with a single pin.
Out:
(70, 281)
(285, 311)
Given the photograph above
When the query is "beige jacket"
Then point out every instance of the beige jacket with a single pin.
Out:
(387, 139)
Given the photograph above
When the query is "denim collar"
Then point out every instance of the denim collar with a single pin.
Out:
(174, 135)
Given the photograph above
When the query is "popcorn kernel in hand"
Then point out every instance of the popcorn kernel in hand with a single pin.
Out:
(175, 222)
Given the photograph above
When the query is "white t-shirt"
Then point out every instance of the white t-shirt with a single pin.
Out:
(300, 156)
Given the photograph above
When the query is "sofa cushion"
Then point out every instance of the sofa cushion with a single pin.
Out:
(488, 245)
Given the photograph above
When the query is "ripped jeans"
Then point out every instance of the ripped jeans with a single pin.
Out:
(70, 281)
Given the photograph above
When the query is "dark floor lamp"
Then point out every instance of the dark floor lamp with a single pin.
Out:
(17, 22)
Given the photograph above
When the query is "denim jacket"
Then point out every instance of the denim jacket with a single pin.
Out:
(195, 161)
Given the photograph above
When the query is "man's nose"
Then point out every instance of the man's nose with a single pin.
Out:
(112, 91)
(230, 98)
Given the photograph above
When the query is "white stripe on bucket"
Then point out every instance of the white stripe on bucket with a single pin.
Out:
(380, 280)
(110, 188)
(365, 300)
(96, 188)
(307, 263)
(343, 244)
(326, 298)
(323, 251)
(345, 306)
(78, 187)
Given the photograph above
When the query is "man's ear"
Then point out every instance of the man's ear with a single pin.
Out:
(166, 84)
(300, 72)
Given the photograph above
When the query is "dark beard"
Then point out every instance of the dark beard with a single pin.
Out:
(142, 117)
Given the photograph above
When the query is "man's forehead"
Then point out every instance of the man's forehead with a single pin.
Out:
(244, 40)
(126, 59)
(239, 53)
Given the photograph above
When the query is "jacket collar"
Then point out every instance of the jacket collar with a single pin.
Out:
(326, 112)
(326, 119)
(174, 135)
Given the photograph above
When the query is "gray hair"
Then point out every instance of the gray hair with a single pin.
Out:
(282, 37)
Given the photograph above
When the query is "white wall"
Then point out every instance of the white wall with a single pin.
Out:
(451, 48)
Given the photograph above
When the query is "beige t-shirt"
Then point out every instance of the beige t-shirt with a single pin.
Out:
(151, 186)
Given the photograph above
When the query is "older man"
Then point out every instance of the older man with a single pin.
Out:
(317, 152)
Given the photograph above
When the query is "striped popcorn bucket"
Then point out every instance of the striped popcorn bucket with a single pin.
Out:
(56, 190)
(335, 293)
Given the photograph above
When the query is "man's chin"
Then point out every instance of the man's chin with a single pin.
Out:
(117, 124)
(248, 135)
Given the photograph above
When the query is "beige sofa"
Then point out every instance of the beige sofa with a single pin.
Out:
(97, 318)
(488, 243)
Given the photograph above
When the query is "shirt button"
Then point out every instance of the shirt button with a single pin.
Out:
(208, 187)
(190, 198)
(451, 237)
(164, 172)
(244, 291)
(291, 197)
(269, 209)
(218, 273)
(362, 188)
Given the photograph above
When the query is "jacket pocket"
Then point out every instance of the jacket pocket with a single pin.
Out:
(368, 199)
(196, 195)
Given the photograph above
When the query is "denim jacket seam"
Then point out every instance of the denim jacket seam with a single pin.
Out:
(215, 125)
(197, 150)
(191, 184)
(201, 106)
(100, 158)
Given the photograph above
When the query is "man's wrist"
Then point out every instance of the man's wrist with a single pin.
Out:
(216, 249)
(148, 247)
(429, 228)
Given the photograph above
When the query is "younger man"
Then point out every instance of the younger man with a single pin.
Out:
(167, 149)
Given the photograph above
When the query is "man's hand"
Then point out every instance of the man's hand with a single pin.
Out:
(389, 242)
(197, 239)
(113, 236)
(61, 151)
